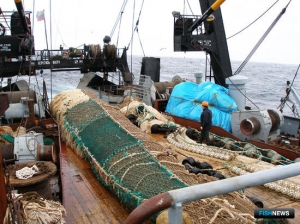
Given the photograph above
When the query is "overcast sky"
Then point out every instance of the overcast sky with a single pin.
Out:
(77, 22)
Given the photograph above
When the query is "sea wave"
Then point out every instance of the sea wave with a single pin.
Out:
(266, 81)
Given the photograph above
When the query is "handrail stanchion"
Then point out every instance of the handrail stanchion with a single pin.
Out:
(175, 213)
(172, 198)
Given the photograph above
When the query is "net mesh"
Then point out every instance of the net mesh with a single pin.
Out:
(119, 154)
(131, 164)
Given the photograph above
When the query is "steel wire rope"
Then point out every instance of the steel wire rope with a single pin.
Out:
(58, 31)
(137, 23)
(30, 59)
(291, 84)
(76, 29)
(35, 146)
(118, 18)
(253, 21)
(119, 30)
(135, 28)
(140, 42)
(29, 71)
(294, 110)
(190, 7)
(33, 14)
(131, 41)
(282, 104)
(261, 40)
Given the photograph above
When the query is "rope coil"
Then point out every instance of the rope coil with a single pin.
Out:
(26, 172)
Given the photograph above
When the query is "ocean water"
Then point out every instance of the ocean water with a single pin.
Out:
(266, 81)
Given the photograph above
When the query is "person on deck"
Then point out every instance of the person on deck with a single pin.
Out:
(206, 123)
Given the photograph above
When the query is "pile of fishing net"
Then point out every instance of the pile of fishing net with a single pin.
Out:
(7, 134)
(131, 164)
(31, 208)
(146, 116)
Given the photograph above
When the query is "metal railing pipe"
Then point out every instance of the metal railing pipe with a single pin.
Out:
(201, 191)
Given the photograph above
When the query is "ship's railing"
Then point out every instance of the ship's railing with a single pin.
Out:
(142, 88)
(72, 52)
(184, 22)
(173, 200)
(6, 20)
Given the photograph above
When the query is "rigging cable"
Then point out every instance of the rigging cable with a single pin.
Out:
(136, 26)
(33, 9)
(261, 40)
(131, 41)
(283, 101)
(140, 42)
(58, 31)
(253, 21)
(118, 18)
(137, 30)
(119, 30)
(191, 7)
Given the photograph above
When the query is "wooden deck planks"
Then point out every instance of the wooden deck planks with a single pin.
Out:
(85, 199)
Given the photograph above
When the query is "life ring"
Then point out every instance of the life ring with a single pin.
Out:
(2, 30)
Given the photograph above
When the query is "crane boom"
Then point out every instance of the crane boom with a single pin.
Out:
(22, 17)
(207, 34)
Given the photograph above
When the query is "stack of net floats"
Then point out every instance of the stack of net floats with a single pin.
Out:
(130, 163)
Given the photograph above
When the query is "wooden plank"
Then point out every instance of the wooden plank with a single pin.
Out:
(85, 199)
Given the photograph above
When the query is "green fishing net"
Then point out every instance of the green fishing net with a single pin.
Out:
(48, 141)
(133, 172)
(8, 137)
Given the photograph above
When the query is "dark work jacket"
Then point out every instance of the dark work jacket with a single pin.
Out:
(206, 119)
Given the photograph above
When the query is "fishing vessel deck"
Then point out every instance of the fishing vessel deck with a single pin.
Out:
(270, 198)
(84, 198)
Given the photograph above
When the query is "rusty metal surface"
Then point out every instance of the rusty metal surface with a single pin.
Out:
(149, 208)
(4, 103)
(7, 151)
(3, 201)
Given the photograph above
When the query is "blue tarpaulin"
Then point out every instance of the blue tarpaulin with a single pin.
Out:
(186, 98)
